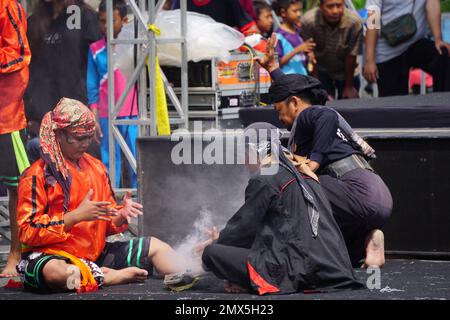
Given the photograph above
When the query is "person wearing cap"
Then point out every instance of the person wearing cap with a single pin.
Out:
(361, 201)
(67, 208)
(284, 238)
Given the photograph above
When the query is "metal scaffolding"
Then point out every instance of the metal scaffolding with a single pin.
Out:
(145, 42)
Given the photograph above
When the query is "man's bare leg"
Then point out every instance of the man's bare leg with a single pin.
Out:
(374, 249)
(14, 253)
(123, 276)
(164, 258)
(56, 274)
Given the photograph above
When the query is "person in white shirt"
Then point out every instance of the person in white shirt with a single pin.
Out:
(389, 65)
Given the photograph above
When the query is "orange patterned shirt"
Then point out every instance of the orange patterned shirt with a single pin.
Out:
(41, 214)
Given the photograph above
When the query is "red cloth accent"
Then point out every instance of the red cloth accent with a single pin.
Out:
(263, 286)
(87, 288)
(13, 284)
(249, 25)
(286, 184)
(201, 3)
(313, 291)
(261, 47)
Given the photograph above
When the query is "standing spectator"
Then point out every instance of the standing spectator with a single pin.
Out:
(337, 33)
(14, 61)
(264, 18)
(389, 65)
(229, 12)
(292, 50)
(97, 88)
(60, 32)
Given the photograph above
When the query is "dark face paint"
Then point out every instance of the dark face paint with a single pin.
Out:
(73, 147)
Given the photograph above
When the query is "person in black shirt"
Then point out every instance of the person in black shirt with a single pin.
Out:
(284, 238)
(59, 32)
(361, 201)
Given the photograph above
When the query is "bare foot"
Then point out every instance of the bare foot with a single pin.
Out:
(10, 269)
(122, 276)
(234, 288)
(374, 249)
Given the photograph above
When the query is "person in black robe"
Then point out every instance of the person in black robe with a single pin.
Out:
(284, 238)
(360, 200)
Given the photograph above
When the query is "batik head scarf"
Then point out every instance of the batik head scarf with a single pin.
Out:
(74, 117)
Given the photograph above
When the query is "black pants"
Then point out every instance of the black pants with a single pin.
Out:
(361, 202)
(331, 85)
(394, 74)
(228, 263)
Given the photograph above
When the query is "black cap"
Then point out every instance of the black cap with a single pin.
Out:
(291, 85)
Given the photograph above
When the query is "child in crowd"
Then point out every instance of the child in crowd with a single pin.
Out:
(264, 17)
(97, 87)
(292, 50)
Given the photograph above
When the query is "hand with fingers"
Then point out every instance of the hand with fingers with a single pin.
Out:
(130, 208)
(440, 44)
(268, 61)
(89, 210)
(213, 235)
(306, 47)
(312, 57)
(371, 71)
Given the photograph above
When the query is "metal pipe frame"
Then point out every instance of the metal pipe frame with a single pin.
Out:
(145, 12)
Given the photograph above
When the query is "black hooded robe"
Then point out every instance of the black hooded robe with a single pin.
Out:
(284, 256)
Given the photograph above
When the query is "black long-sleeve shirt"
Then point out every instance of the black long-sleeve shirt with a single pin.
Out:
(58, 68)
(318, 136)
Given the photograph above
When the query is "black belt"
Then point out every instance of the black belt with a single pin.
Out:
(339, 168)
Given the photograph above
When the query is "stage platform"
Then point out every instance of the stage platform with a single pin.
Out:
(414, 111)
(400, 280)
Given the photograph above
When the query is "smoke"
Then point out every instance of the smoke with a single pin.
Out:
(186, 248)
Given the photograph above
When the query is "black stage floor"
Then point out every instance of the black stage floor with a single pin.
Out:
(400, 280)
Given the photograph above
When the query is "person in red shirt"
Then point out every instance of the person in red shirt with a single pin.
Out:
(14, 61)
(66, 209)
